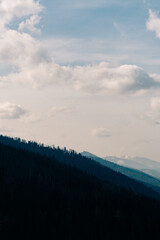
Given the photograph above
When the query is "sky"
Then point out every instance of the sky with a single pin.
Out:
(82, 74)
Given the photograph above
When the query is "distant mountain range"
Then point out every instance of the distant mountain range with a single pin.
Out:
(112, 162)
(143, 164)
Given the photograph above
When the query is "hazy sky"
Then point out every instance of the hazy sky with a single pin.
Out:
(82, 74)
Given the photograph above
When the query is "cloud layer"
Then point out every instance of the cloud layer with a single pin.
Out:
(34, 65)
(11, 111)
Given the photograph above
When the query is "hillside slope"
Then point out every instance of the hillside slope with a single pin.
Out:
(71, 158)
(42, 198)
(130, 172)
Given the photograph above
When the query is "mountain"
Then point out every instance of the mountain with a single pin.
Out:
(49, 197)
(130, 172)
(47, 193)
(71, 158)
(143, 164)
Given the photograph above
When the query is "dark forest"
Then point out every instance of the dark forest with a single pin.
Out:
(51, 193)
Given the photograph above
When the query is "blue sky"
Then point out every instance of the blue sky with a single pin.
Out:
(65, 20)
(84, 75)
(113, 27)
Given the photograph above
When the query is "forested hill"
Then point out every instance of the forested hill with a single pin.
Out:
(78, 161)
(42, 198)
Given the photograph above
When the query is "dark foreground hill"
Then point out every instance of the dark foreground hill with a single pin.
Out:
(71, 158)
(42, 198)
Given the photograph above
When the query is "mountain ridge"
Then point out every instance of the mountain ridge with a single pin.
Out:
(130, 172)
(44, 198)
(71, 158)
(145, 165)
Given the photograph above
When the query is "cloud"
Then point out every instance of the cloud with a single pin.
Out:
(21, 49)
(102, 78)
(11, 111)
(153, 23)
(35, 66)
(94, 79)
(100, 132)
(30, 23)
(41, 75)
(10, 9)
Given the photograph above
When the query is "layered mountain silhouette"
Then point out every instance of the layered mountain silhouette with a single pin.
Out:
(143, 164)
(130, 172)
(51, 193)
(87, 165)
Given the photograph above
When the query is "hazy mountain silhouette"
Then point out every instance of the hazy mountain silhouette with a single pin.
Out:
(130, 172)
(78, 161)
(143, 164)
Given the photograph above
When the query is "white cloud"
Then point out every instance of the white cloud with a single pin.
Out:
(98, 79)
(102, 78)
(30, 23)
(11, 111)
(153, 23)
(18, 49)
(10, 9)
(41, 75)
(100, 132)
(35, 65)
(21, 49)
